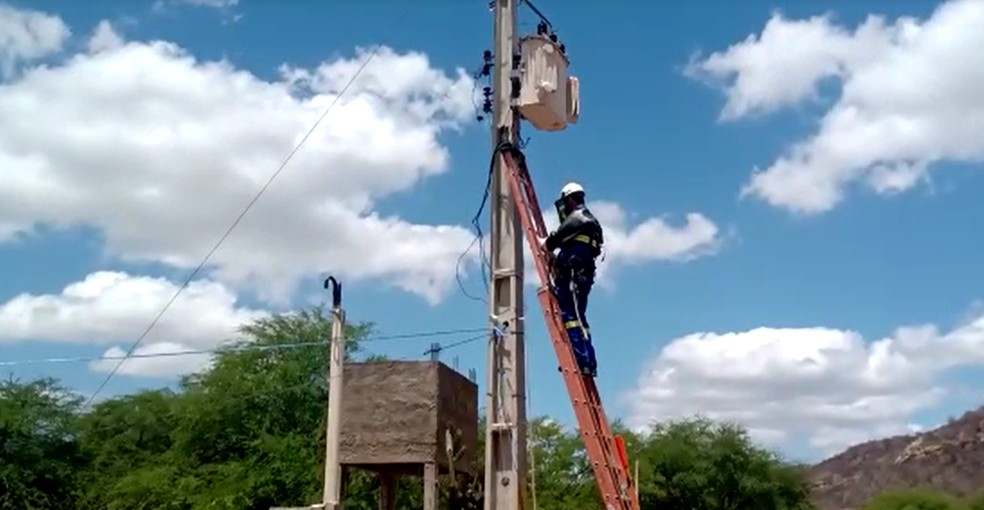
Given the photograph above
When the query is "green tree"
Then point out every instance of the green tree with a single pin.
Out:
(914, 499)
(121, 434)
(40, 456)
(702, 465)
(248, 433)
(563, 477)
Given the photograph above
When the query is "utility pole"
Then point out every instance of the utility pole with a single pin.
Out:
(336, 357)
(505, 450)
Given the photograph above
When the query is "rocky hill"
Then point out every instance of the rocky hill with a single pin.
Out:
(949, 458)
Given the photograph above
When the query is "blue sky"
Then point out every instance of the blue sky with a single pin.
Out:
(893, 251)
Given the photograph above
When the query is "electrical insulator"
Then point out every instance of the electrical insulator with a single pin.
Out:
(486, 62)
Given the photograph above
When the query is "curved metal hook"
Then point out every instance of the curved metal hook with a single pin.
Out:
(336, 291)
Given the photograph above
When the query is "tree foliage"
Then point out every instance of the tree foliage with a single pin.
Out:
(914, 499)
(39, 445)
(248, 433)
(699, 464)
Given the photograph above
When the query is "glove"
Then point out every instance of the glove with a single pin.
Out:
(541, 242)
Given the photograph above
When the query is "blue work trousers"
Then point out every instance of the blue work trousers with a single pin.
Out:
(572, 286)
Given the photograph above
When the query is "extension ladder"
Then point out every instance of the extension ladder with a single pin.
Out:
(605, 452)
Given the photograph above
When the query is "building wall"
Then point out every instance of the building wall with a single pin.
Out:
(396, 412)
(458, 411)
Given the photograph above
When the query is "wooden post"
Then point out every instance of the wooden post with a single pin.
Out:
(387, 490)
(430, 486)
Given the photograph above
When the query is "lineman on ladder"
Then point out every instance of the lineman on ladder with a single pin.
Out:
(580, 240)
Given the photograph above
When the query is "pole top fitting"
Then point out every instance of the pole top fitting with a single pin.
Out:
(336, 292)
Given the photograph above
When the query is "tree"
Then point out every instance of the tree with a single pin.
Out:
(913, 499)
(562, 474)
(40, 456)
(248, 433)
(121, 434)
(698, 464)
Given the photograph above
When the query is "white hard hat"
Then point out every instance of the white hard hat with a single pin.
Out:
(570, 188)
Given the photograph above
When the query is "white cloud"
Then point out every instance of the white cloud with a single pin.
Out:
(104, 37)
(110, 307)
(223, 6)
(210, 3)
(27, 35)
(115, 308)
(651, 240)
(908, 99)
(654, 239)
(828, 386)
(154, 360)
(161, 152)
(160, 5)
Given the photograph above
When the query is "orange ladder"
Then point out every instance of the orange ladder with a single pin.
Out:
(610, 467)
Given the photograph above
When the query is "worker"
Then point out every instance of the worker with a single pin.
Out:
(579, 238)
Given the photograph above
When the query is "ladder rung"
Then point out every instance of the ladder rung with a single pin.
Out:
(599, 441)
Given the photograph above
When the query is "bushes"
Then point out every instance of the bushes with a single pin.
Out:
(918, 499)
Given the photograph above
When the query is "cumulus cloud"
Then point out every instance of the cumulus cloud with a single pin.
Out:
(210, 3)
(104, 37)
(653, 239)
(110, 307)
(115, 308)
(908, 99)
(160, 5)
(27, 35)
(830, 387)
(161, 359)
(161, 152)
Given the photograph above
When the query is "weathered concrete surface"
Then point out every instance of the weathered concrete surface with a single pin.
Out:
(397, 412)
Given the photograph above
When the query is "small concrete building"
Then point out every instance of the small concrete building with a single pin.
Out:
(415, 418)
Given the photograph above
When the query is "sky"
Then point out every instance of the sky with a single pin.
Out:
(787, 191)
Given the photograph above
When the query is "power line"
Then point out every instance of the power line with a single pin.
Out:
(485, 264)
(250, 347)
(424, 334)
(441, 347)
(538, 13)
(476, 223)
(232, 227)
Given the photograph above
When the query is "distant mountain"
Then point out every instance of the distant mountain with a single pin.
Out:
(949, 458)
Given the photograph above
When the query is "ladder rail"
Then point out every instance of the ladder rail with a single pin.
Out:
(614, 482)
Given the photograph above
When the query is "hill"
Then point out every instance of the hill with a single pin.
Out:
(949, 458)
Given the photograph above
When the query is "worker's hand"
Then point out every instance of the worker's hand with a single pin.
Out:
(541, 242)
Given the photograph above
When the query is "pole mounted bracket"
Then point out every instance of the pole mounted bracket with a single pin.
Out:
(336, 292)
(501, 324)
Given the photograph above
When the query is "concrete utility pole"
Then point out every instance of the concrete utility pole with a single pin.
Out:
(505, 450)
(336, 358)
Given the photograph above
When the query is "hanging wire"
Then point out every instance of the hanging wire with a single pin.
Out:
(191, 276)
(254, 347)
